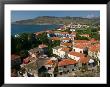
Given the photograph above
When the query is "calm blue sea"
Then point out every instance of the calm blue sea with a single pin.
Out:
(17, 29)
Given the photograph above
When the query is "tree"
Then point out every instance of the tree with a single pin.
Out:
(23, 54)
(55, 43)
(42, 71)
(55, 70)
(13, 45)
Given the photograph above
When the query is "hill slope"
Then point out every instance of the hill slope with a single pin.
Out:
(60, 20)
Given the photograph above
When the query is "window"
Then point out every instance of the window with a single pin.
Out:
(50, 75)
(60, 73)
(64, 66)
(72, 69)
(49, 68)
(67, 70)
(80, 51)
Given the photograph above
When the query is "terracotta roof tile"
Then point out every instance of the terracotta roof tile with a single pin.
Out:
(65, 49)
(93, 40)
(66, 62)
(37, 33)
(73, 33)
(42, 46)
(49, 31)
(86, 35)
(65, 39)
(76, 54)
(81, 41)
(95, 48)
(55, 38)
(82, 45)
(28, 59)
(66, 44)
(84, 59)
(49, 62)
(64, 33)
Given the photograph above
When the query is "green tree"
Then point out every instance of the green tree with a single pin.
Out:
(42, 71)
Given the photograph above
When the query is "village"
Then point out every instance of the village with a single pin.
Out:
(75, 54)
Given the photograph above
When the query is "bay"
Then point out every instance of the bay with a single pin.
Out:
(18, 29)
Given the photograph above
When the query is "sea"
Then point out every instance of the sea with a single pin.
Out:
(18, 29)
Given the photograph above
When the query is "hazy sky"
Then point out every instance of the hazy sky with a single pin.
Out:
(21, 15)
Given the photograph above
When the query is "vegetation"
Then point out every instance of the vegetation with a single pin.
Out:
(60, 20)
(93, 32)
(42, 72)
(78, 37)
(26, 41)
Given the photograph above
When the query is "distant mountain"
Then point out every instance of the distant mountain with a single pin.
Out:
(59, 20)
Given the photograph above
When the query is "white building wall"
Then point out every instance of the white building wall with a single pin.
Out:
(65, 41)
(33, 55)
(74, 57)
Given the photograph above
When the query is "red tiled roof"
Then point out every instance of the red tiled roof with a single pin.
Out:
(81, 41)
(66, 44)
(66, 62)
(95, 48)
(49, 62)
(28, 59)
(84, 59)
(86, 35)
(64, 33)
(65, 39)
(49, 31)
(65, 49)
(42, 46)
(55, 38)
(37, 33)
(73, 33)
(76, 54)
(93, 40)
(82, 45)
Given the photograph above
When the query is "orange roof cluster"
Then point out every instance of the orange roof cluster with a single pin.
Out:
(37, 33)
(14, 57)
(64, 33)
(81, 41)
(65, 49)
(65, 39)
(66, 44)
(64, 62)
(93, 40)
(49, 62)
(82, 45)
(49, 31)
(73, 33)
(42, 46)
(84, 59)
(55, 38)
(28, 59)
(95, 48)
(76, 54)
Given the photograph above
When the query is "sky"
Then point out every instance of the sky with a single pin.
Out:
(22, 15)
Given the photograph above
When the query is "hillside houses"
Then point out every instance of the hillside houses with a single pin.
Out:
(75, 26)
(60, 51)
(84, 35)
(94, 52)
(67, 53)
